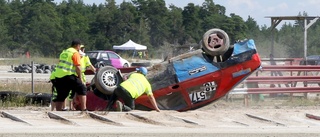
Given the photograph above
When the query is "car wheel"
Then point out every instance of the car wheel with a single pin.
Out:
(5, 95)
(100, 65)
(126, 65)
(39, 71)
(107, 79)
(47, 71)
(38, 98)
(215, 42)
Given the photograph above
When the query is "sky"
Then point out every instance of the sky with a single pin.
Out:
(257, 9)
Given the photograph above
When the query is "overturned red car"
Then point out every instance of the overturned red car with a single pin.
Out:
(188, 81)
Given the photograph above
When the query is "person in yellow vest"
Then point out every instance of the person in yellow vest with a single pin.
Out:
(68, 76)
(71, 94)
(53, 90)
(132, 88)
(85, 63)
(140, 54)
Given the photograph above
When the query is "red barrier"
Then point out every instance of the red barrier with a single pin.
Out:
(253, 84)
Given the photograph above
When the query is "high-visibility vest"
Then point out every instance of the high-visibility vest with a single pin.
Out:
(87, 61)
(52, 76)
(84, 62)
(65, 66)
(136, 85)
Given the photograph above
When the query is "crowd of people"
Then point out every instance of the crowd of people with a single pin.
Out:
(69, 82)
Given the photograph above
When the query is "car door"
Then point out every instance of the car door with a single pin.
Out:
(93, 57)
(115, 60)
(104, 58)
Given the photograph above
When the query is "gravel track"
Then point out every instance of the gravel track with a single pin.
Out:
(223, 119)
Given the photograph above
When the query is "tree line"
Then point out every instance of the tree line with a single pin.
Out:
(44, 28)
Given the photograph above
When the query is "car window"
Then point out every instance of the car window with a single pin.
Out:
(104, 55)
(113, 55)
(92, 54)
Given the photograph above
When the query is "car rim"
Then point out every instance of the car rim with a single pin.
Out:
(109, 78)
(215, 42)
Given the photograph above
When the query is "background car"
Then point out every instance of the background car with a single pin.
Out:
(311, 60)
(101, 58)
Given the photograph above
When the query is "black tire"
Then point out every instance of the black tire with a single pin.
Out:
(53, 67)
(221, 44)
(38, 98)
(101, 65)
(28, 68)
(15, 69)
(25, 71)
(141, 64)
(39, 71)
(107, 79)
(47, 71)
(7, 95)
(46, 67)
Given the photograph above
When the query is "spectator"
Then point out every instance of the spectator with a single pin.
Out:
(132, 88)
(68, 76)
(85, 60)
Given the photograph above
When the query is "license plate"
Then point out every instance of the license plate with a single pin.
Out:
(198, 96)
(205, 92)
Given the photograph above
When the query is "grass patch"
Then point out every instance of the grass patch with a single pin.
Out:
(13, 101)
(25, 87)
(301, 102)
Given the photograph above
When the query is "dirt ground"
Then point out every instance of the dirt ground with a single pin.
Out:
(223, 119)
(272, 117)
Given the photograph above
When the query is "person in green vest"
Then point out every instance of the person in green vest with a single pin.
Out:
(132, 88)
(53, 90)
(85, 63)
(68, 76)
(140, 54)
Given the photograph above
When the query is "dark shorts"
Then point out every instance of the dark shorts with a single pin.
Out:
(66, 84)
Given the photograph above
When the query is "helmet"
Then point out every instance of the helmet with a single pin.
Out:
(143, 70)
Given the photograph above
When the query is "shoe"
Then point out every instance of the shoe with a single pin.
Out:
(119, 106)
(126, 108)
(84, 111)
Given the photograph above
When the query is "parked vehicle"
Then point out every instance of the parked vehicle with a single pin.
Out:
(101, 58)
(311, 60)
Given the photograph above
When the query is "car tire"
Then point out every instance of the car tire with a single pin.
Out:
(4, 95)
(107, 79)
(220, 46)
(101, 65)
(38, 98)
(47, 71)
(39, 71)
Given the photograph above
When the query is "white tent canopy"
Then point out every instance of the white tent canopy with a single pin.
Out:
(130, 45)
